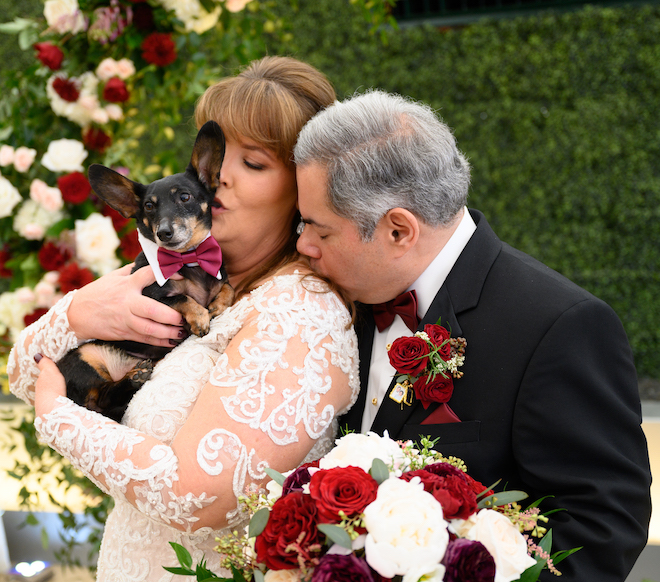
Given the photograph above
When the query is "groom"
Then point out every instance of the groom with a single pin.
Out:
(549, 400)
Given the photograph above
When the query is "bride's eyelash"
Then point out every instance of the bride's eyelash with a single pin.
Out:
(253, 166)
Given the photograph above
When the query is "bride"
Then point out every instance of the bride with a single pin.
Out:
(262, 389)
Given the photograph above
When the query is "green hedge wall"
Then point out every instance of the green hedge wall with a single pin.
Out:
(559, 116)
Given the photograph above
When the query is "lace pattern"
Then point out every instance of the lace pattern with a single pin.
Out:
(156, 499)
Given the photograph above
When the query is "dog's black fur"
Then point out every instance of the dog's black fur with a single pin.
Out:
(175, 213)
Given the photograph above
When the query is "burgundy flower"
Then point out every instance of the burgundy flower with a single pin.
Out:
(129, 246)
(299, 477)
(94, 138)
(439, 336)
(337, 568)
(347, 489)
(468, 561)
(50, 55)
(159, 49)
(408, 355)
(115, 91)
(52, 257)
(292, 520)
(453, 492)
(439, 389)
(73, 277)
(4, 271)
(32, 317)
(75, 187)
(66, 89)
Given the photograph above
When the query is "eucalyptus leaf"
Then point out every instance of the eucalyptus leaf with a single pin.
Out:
(336, 534)
(379, 471)
(275, 476)
(258, 522)
(258, 575)
(502, 498)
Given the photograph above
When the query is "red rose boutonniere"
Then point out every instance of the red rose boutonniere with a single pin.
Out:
(427, 362)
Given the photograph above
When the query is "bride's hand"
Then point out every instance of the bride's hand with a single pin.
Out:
(113, 308)
(49, 386)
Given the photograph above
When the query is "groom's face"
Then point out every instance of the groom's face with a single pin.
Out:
(333, 244)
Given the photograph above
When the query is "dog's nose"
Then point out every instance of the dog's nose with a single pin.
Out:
(165, 232)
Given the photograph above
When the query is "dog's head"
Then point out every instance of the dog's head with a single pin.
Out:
(175, 211)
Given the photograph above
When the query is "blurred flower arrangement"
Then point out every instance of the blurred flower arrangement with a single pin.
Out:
(373, 510)
(111, 82)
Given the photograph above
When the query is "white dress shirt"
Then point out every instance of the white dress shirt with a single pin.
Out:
(426, 287)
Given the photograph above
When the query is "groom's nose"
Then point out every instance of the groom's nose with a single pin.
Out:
(305, 246)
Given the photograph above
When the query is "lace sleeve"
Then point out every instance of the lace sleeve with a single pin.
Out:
(276, 389)
(51, 336)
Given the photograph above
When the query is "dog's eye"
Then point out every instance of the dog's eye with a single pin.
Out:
(185, 197)
(149, 206)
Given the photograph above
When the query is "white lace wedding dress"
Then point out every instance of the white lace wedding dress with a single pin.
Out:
(263, 388)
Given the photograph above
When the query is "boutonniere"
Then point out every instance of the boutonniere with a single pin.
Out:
(427, 364)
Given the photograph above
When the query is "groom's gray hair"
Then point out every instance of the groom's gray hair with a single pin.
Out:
(384, 151)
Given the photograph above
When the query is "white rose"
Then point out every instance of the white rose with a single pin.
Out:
(64, 16)
(6, 155)
(107, 69)
(64, 155)
(96, 243)
(504, 542)
(236, 5)
(274, 490)
(23, 158)
(114, 112)
(359, 450)
(9, 197)
(32, 220)
(283, 576)
(406, 530)
(12, 312)
(125, 68)
(49, 197)
(100, 116)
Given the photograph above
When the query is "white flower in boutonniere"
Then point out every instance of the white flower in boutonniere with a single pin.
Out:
(429, 362)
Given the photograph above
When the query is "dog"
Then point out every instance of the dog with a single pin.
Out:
(173, 217)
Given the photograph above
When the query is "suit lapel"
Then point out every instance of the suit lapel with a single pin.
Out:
(460, 292)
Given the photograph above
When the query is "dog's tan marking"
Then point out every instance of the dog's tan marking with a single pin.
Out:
(204, 206)
(108, 361)
(197, 316)
(222, 300)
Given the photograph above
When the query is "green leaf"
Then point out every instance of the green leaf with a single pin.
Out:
(336, 534)
(183, 555)
(563, 554)
(533, 572)
(258, 575)
(502, 498)
(179, 571)
(379, 471)
(275, 476)
(18, 25)
(258, 522)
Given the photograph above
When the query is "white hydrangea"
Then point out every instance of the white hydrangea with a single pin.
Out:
(9, 197)
(96, 243)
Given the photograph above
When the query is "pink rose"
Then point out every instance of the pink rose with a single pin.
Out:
(23, 158)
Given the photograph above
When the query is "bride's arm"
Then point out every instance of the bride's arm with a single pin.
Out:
(273, 393)
(110, 308)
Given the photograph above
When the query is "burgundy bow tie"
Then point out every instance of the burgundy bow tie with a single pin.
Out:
(405, 305)
(208, 255)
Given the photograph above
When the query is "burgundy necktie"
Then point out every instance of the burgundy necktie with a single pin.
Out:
(405, 305)
(208, 255)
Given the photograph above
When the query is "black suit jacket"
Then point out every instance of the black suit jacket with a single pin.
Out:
(549, 402)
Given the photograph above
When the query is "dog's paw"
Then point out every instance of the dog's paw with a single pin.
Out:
(141, 372)
(201, 324)
(222, 300)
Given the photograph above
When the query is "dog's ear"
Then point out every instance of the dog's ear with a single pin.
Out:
(116, 190)
(207, 156)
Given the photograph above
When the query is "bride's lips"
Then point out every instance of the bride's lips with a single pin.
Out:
(217, 207)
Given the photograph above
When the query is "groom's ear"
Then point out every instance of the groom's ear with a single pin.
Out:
(403, 230)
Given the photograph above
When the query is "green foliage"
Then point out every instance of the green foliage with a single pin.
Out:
(557, 114)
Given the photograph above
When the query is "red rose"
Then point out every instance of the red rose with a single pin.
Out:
(115, 91)
(129, 246)
(437, 390)
(32, 317)
(453, 492)
(408, 355)
(159, 49)
(50, 55)
(118, 220)
(292, 520)
(94, 138)
(74, 187)
(4, 271)
(439, 336)
(73, 277)
(347, 489)
(66, 89)
(52, 257)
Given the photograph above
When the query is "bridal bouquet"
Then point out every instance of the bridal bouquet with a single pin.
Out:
(374, 509)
